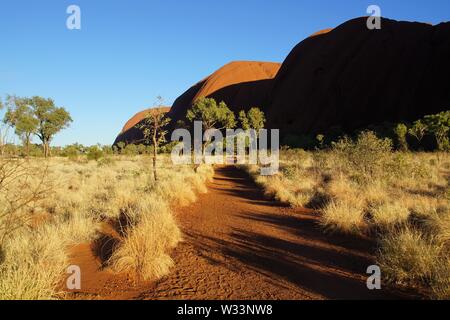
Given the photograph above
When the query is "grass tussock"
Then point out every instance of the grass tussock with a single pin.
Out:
(46, 209)
(365, 187)
(145, 251)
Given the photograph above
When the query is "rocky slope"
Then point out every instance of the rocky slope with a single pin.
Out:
(130, 133)
(352, 77)
(348, 77)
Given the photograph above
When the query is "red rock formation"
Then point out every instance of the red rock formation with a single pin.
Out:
(352, 77)
(130, 133)
(348, 77)
(240, 84)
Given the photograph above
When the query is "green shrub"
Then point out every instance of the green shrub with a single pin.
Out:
(401, 130)
(364, 158)
(94, 153)
(439, 126)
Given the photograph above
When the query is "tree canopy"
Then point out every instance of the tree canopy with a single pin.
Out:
(211, 114)
(38, 116)
(253, 119)
(20, 116)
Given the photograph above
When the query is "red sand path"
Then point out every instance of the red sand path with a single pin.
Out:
(239, 245)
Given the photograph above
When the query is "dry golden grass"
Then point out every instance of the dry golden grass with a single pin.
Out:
(81, 195)
(345, 216)
(365, 187)
(408, 257)
(145, 251)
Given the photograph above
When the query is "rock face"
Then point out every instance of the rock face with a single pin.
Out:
(352, 77)
(131, 134)
(241, 85)
(348, 77)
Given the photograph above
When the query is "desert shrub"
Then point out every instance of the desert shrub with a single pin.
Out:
(168, 147)
(365, 158)
(401, 131)
(119, 147)
(73, 150)
(130, 150)
(399, 198)
(94, 153)
(418, 131)
(22, 186)
(439, 126)
(141, 149)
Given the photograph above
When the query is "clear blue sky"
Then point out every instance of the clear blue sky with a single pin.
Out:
(129, 52)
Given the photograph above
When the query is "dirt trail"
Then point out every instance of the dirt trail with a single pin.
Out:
(239, 245)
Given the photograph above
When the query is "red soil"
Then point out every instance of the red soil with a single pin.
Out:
(239, 245)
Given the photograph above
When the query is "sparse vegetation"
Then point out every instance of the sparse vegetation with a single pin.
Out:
(213, 115)
(69, 207)
(253, 119)
(363, 186)
(153, 129)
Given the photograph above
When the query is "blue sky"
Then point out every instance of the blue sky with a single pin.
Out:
(129, 52)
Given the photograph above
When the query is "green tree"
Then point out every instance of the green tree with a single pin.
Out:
(20, 116)
(153, 130)
(401, 130)
(418, 130)
(439, 126)
(253, 119)
(212, 115)
(51, 120)
(40, 111)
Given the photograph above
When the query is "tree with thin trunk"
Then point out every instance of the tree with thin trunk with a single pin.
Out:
(418, 130)
(51, 120)
(20, 116)
(153, 129)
